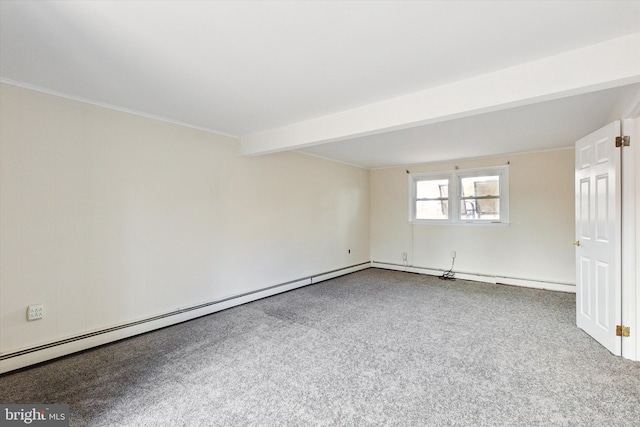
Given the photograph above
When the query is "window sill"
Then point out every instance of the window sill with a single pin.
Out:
(461, 223)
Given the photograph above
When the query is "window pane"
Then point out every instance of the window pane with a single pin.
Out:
(473, 206)
(432, 209)
(432, 189)
(480, 209)
(480, 186)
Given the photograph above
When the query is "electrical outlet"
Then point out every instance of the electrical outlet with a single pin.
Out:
(35, 312)
(404, 256)
(453, 254)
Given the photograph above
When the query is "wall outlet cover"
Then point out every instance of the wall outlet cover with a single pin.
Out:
(35, 312)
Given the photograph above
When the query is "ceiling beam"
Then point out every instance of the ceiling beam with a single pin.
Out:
(601, 66)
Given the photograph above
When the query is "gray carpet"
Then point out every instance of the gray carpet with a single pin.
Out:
(372, 348)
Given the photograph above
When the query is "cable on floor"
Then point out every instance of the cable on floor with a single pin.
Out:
(449, 274)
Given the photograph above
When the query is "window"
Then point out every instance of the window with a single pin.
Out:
(472, 196)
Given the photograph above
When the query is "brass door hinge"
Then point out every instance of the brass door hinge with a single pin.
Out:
(623, 331)
(623, 141)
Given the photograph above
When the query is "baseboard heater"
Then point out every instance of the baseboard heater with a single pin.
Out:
(231, 301)
(480, 277)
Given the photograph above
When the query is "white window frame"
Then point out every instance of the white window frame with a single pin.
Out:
(455, 191)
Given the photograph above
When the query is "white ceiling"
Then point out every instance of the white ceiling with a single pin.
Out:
(241, 68)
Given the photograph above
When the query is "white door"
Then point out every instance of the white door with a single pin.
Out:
(598, 249)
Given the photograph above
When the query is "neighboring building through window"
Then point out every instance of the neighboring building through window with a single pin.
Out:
(472, 196)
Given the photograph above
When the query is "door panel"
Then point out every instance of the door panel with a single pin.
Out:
(602, 288)
(598, 272)
(584, 213)
(602, 208)
(584, 298)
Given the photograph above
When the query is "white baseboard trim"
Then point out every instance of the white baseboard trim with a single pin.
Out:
(527, 283)
(332, 274)
(42, 353)
(501, 280)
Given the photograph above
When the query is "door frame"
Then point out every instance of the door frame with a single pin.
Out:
(630, 236)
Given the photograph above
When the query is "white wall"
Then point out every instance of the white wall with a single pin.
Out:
(108, 217)
(537, 245)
